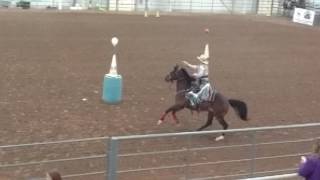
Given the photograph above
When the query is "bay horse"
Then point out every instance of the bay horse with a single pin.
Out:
(217, 107)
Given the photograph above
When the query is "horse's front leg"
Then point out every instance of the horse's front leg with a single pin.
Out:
(172, 109)
(160, 121)
(178, 108)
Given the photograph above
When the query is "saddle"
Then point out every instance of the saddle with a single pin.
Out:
(207, 94)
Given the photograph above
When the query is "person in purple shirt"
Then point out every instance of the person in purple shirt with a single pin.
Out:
(310, 166)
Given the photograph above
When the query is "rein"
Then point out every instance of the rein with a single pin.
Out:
(177, 81)
(182, 91)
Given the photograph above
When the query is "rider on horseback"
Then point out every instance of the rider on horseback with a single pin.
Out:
(202, 90)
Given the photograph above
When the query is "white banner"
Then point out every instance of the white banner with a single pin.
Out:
(303, 16)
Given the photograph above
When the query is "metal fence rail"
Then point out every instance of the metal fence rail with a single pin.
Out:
(282, 176)
(122, 154)
(5, 166)
(260, 7)
(115, 170)
(266, 7)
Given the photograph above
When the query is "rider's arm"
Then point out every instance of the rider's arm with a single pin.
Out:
(200, 72)
(190, 65)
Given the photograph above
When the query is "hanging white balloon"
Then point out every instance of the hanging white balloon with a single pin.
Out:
(114, 41)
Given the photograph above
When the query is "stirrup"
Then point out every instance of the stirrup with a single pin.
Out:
(191, 102)
(194, 103)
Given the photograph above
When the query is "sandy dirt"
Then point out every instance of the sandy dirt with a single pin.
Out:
(50, 61)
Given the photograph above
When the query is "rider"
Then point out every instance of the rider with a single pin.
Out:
(203, 88)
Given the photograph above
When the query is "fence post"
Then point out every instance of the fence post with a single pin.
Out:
(136, 5)
(108, 5)
(146, 6)
(232, 7)
(253, 153)
(258, 6)
(271, 13)
(117, 5)
(112, 159)
(212, 6)
(187, 158)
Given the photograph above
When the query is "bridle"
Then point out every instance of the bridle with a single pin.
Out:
(172, 77)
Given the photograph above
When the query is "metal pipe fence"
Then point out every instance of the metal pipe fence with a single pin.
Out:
(10, 160)
(246, 153)
(282, 176)
(250, 159)
(266, 7)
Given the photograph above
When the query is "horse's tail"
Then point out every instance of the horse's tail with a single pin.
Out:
(240, 107)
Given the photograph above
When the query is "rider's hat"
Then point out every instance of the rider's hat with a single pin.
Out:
(203, 59)
(205, 56)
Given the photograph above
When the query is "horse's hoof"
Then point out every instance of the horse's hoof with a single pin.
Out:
(159, 122)
(219, 138)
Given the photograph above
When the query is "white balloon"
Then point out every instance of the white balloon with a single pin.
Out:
(114, 41)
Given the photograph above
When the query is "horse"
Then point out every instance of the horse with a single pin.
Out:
(217, 107)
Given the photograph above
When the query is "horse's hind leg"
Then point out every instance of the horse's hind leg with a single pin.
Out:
(209, 121)
(225, 126)
(223, 123)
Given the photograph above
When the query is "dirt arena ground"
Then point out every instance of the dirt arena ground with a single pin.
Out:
(50, 61)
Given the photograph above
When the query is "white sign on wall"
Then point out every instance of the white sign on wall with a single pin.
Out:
(303, 16)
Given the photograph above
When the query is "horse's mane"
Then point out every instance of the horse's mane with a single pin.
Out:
(187, 74)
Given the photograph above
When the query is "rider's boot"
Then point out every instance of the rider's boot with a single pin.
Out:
(193, 99)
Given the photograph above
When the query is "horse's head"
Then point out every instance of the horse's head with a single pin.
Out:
(178, 74)
(173, 75)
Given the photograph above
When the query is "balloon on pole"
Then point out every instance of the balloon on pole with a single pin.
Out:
(112, 82)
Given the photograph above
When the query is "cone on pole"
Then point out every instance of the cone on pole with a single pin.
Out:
(206, 48)
(206, 51)
(112, 82)
(113, 68)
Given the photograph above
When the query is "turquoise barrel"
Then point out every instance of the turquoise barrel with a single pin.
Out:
(112, 89)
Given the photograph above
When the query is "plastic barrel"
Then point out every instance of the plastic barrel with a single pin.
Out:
(112, 89)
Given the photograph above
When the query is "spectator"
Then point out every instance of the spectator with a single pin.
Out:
(310, 166)
(54, 175)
